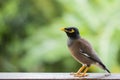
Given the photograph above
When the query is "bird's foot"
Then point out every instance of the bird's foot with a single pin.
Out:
(108, 74)
(79, 74)
(83, 75)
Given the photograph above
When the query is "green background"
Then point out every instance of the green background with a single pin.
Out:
(30, 39)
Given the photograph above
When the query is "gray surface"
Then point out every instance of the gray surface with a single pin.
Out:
(56, 76)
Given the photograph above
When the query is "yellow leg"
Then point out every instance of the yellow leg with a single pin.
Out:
(84, 73)
(78, 73)
(81, 69)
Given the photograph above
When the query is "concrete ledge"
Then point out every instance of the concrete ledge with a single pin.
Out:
(53, 76)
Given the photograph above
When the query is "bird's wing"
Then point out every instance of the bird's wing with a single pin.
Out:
(87, 50)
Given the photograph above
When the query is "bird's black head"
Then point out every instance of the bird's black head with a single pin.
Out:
(71, 32)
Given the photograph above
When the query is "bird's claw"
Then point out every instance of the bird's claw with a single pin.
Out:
(79, 74)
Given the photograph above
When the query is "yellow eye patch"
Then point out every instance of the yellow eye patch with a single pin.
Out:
(71, 31)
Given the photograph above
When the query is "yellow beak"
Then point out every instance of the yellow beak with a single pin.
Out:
(62, 29)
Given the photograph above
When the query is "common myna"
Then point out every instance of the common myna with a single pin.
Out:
(82, 51)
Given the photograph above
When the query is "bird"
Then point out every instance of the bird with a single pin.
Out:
(82, 51)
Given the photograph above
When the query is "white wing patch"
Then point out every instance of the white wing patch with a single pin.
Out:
(81, 51)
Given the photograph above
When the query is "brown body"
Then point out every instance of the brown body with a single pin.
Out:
(79, 48)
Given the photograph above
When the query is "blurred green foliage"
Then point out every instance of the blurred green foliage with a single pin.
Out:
(30, 40)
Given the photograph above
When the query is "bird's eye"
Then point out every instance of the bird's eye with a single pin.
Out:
(70, 31)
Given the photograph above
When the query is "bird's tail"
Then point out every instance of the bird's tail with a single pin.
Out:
(104, 67)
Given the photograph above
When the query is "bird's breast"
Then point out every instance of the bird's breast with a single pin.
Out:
(75, 51)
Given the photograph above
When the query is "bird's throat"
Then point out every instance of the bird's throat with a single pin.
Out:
(74, 37)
